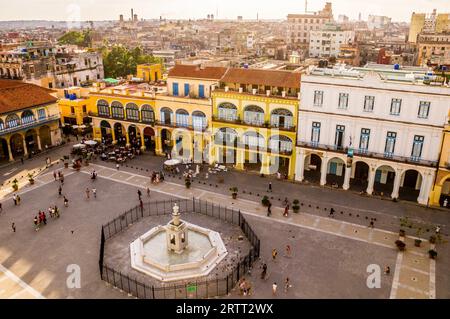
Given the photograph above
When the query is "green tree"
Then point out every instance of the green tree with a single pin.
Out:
(121, 62)
(82, 39)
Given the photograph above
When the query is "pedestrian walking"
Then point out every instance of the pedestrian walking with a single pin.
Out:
(148, 192)
(56, 211)
(286, 211)
(21, 160)
(87, 193)
(445, 202)
(60, 190)
(270, 186)
(274, 254)
(66, 201)
(437, 230)
(94, 192)
(264, 271)
(139, 194)
(18, 199)
(61, 179)
(274, 288)
(288, 251)
(332, 212)
(36, 223)
(141, 205)
(13, 226)
(1, 208)
(287, 285)
(269, 209)
(54, 175)
(15, 199)
(387, 270)
(117, 166)
(371, 224)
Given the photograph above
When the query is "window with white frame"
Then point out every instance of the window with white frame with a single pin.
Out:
(417, 147)
(389, 147)
(396, 105)
(369, 102)
(315, 133)
(364, 140)
(343, 101)
(424, 109)
(318, 98)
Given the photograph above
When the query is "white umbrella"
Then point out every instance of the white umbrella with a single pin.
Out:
(91, 143)
(74, 126)
(79, 146)
(172, 162)
(82, 126)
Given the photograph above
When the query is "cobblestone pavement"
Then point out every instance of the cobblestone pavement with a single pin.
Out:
(413, 273)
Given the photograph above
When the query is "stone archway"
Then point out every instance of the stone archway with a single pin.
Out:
(105, 129)
(149, 139)
(166, 140)
(444, 198)
(384, 180)
(119, 133)
(4, 152)
(31, 140)
(336, 171)
(16, 143)
(360, 176)
(410, 185)
(313, 164)
(45, 136)
(134, 136)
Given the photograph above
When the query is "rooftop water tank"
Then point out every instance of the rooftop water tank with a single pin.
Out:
(245, 65)
(397, 66)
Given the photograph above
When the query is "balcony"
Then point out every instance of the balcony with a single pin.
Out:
(264, 125)
(151, 122)
(255, 148)
(261, 93)
(29, 125)
(365, 153)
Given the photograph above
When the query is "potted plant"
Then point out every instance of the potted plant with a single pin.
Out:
(432, 239)
(187, 182)
(66, 161)
(15, 184)
(418, 241)
(400, 245)
(296, 206)
(265, 201)
(432, 253)
(30, 178)
(234, 191)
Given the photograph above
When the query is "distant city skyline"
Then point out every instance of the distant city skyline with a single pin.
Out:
(82, 10)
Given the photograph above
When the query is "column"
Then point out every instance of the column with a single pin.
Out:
(142, 141)
(425, 188)
(323, 171)
(240, 159)
(371, 180)
(265, 164)
(11, 158)
(38, 142)
(348, 174)
(127, 137)
(300, 166)
(113, 135)
(397, 180)
(292, 164)
(25, 149)
(158, 146)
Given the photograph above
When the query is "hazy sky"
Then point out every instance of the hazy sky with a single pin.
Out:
(399, 10)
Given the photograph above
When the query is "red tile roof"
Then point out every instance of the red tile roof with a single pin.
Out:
(17, 95)
(196, 72)
(263, 77)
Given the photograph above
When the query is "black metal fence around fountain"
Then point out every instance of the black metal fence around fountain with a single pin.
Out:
(194, 289)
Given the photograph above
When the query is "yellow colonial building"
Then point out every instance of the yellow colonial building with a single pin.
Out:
(74, 106)
(254, 120)
(166, 119)
(29, 119)
(441, 189)
(149, 72)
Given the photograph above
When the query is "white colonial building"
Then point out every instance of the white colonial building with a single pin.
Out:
(372, 129)
(327, 41)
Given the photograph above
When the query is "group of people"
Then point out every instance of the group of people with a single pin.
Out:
(59, 175)
(41, 219)
(157, 177)
(16, 198)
